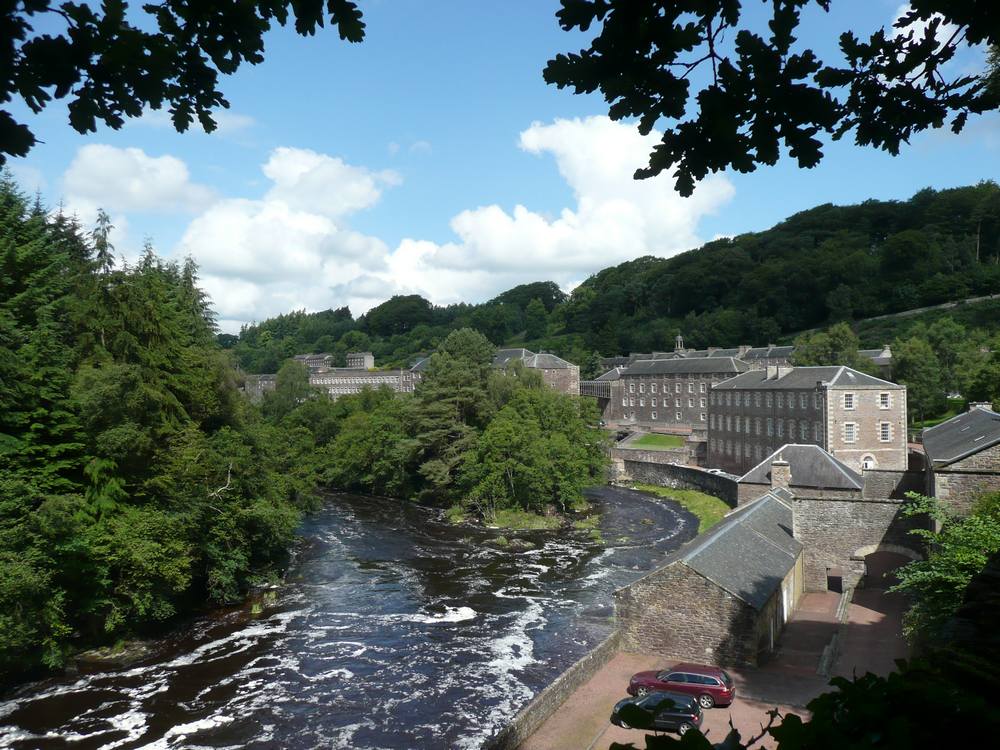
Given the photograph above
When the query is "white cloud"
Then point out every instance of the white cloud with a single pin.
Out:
(919, 26)
(293, 248)
(29, 179)
(128, 179)
(420, 147)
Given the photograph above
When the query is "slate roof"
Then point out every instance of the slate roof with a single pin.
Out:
(685, 366)
(962, 436)
(613, 374)
(750, 551)
(504, 357)
(769, 352)
(807, 377)
(546, 361)
(881, 356)
(811, 467)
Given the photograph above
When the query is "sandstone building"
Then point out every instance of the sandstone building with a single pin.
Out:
(963, 457)
(858, 418)
(803, 469)
(557, 373)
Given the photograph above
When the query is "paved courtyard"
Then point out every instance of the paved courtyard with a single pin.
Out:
(869, 640)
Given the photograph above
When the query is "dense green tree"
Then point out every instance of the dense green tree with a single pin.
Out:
(915, 365)
(291, 388)
(535, 320)
(837, 345)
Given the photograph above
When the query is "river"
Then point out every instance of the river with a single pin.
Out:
(394, 629)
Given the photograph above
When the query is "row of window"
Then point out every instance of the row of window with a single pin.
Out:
(747, 425)
(630, 401)
(732, 448)
(851, 400)
(678, 416)
(851, 432)
(768, 398)
(702, 387)
(361, 381)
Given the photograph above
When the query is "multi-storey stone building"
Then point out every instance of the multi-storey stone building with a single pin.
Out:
(858, 418)
(557, 373)
(666, 395)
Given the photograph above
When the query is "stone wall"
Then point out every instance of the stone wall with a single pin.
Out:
(564, 380)
(959, 484)
(547, 702)
(676, 613)
(882, 483)
(839, 533)
(682, 478)
(748, 491)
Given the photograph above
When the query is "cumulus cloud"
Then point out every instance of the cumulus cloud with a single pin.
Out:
(616, 218)
(128, 179)
(293, 247)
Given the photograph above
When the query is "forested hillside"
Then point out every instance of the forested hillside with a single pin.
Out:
(135, 484)
(818, 267)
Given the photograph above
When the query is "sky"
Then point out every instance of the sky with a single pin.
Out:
(433, 159)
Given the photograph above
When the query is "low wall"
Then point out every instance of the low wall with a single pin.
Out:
(547, 702)
(682, 478)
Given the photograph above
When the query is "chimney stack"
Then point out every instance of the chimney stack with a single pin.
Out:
(973, 405)
(781, 473)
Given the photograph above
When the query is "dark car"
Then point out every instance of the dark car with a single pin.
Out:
(712, 686)
(658, 712)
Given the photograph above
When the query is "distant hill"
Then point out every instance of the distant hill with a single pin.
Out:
(817, 267)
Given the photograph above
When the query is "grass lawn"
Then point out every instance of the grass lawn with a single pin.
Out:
(955, 406)
(657, 442)
(709, 509)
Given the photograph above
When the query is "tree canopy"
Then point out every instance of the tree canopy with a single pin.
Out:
(112, 61)
(765, 91)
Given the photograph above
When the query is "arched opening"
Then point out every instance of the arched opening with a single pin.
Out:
(881, 563)
(869, 462)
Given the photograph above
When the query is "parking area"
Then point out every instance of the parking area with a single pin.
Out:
(869, 638)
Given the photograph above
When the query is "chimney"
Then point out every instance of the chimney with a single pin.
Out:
(771, 372)
(781, 473)
(744, 348)
(886, 351)
(782, 371)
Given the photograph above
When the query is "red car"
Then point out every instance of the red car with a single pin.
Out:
(712, 685)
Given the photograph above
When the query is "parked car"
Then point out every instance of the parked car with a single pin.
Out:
(712, 686)
(658, 712)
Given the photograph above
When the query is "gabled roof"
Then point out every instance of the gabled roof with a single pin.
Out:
(769, 352)
(613, 374)
(750, 551)
(546, 361)
(811, 466)
(807, 377)
(962, 436)
(724, 365)
(504, 357)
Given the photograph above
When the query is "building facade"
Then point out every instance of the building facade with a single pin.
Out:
(963, 457)
(858, 418)
(665, 395)
(557, 373)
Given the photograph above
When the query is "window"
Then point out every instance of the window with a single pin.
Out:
(781, 428)
(815, 400)
(703, 416)
(746, 425)
(756, 452)
(677, 387)
(849, 401)
(701, 403)
(884, 432)
(653, 415)
(677, 416)
(653, 404)
(624, 400)
(711, 422)
(652, 387)
(642, 387)
(737, 424)
(729, 424)
(729, 448)
(703, 387)
(746, 449)
(631, 401)
(729, 399)
(791, 400)
(868, 462)
(642, 400)
(677, 402)
(711, 399)
(817, 432)
(850, 432)
(803, 400)
(781, 400)
(791, 429)
(756, 399)
(768, 401)
(690, 387)
(804, 430)
(770, 427)
(690, 403)
(631, 387)
(757, 430)
(884, 400)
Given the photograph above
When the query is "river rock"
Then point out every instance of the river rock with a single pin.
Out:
(120, 655)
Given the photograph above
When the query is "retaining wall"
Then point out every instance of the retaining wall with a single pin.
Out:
(682, 478)
(547, 702)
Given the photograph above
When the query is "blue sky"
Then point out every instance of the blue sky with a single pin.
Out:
(432, 158)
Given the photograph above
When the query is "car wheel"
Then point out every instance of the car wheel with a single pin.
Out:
(683, 728)
(640, 691)
(706, 701)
